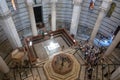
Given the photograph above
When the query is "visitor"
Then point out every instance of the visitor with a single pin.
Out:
(89, 70)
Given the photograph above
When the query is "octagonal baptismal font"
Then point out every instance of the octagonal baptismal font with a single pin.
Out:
(62, 66)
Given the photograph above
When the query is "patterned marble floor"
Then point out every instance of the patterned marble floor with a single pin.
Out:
(102, 71)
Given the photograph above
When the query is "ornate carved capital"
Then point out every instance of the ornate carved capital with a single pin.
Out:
(77, 2)
(105, 4)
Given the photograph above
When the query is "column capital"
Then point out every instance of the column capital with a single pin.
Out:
(105, 4)
(53, 1)
(29, 2)
(77, 2)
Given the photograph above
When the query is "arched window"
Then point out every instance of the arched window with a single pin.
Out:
(110, 11)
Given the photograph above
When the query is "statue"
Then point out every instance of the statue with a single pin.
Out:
(112, 8)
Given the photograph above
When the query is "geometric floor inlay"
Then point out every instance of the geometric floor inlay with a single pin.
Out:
(71, 73)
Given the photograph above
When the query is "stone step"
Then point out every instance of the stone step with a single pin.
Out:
(35, 73)
(82, 73)
(81, 54)
(116, 56)
(79, 59)
(113, 59)
(94, 73)
(42, 73)
(99, 76)
(99, 73)
(105, 73)
(108, 61)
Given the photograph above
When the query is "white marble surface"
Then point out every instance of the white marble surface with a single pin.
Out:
(3, 66)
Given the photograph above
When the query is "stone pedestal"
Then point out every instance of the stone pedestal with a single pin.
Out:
(72, 73)
(8, 25)
(62, 64)
(104, 7)
(116, 75)
(32, 17)
(75, 17)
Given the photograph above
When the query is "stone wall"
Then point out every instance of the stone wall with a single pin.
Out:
(46, 12)
(64, 10)
(89, 17)
(20, 17)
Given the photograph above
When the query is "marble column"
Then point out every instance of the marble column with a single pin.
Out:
(32, 17)
(75, 16)
(104, 6)
(53, 15)
(8, 25)
(3, 66)
(113, 44)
